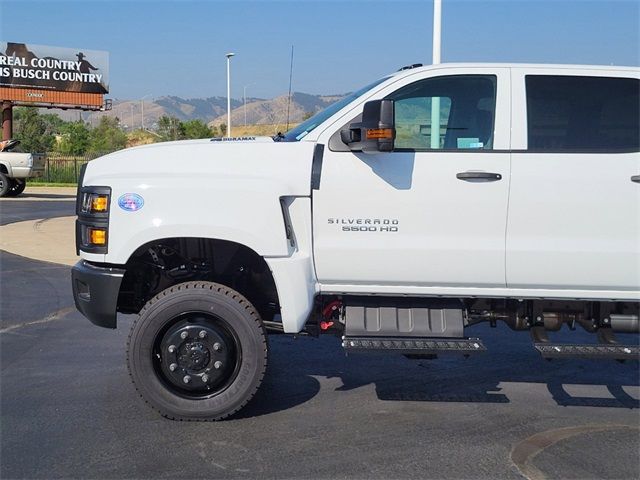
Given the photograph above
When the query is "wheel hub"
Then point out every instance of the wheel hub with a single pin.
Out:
(196, 355)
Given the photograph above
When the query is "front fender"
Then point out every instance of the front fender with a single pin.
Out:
(242, 211)
(229, 192)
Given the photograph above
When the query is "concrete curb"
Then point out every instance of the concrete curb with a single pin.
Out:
(49, 240)
(45, 194)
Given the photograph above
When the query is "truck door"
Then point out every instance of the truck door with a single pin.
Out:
(574, 208)
(433, 211)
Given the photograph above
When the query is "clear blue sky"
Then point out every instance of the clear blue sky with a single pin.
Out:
(177, 47)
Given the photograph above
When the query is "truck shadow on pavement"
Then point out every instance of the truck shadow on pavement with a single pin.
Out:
(509, 372)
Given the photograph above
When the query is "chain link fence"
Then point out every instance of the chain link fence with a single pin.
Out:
(60, 168)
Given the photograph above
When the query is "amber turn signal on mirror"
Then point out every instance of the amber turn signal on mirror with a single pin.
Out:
(379, 133)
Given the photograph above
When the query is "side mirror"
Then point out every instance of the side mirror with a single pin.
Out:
(376, 132)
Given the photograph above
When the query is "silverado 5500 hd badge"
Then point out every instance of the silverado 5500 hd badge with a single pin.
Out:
(365, 224)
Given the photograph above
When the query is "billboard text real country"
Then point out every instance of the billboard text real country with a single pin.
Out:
(53, 68)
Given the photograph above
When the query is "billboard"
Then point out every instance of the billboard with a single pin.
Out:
(52, 98)
(53, 68)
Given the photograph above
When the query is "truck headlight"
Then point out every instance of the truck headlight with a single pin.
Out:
(92, 225)
(94, 203)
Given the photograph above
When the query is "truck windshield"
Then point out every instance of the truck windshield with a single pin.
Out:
(298, 133)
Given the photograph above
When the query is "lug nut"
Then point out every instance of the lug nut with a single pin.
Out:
(172, 348)
(205, 378)
(173, 366)
(202, 334)
(218, 364)
(186, 379)
(217, 346)
(184, 335)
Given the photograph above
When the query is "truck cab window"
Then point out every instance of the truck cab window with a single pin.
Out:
(578, 113)
(451, 113)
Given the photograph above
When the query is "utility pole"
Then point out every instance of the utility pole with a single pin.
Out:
(290, 80)
(244, 103)
(142, 109)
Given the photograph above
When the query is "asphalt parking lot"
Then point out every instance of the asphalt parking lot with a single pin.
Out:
(68, 409)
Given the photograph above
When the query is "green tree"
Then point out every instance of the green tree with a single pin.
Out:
(170, 128)
(74, 138)
(36, 132)
(107, 136)
(223, 129)
(196, 129)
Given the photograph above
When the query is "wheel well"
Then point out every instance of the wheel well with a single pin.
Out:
(163, 263)
(3, 168)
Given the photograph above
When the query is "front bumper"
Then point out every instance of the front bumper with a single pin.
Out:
(95, 291)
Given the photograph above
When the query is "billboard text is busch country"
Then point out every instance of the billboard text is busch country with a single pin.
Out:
(53, 68)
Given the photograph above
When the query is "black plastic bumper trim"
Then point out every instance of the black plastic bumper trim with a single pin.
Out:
(95, 292)
(316, 166)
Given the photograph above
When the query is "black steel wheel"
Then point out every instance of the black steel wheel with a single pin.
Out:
(197, 351)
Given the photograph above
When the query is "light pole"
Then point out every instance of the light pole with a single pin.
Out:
(142, 109)
(435, 101)
(229, 55)
(437, 30)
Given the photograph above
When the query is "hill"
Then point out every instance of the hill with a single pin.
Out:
(212, 110)
(274, 111)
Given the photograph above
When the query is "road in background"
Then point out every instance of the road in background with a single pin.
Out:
(38, 202)
(68, 408)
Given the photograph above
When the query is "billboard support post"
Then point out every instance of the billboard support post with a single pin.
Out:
(7, 120)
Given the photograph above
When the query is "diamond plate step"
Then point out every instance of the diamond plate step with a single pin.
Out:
(563, 350)
(413, 345)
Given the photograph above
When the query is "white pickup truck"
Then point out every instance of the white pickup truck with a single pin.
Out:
(432, 199)
(16, 167)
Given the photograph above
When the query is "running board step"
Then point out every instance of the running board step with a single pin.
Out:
(564, 350)
(413, 345)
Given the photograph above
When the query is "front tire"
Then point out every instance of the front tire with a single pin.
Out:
(197, 351)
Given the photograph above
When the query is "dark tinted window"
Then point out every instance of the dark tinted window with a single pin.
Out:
(452, 113)
(566, 113)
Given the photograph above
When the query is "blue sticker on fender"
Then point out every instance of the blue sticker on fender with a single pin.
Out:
(130, 202)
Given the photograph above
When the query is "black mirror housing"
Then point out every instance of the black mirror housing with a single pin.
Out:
(376, 132)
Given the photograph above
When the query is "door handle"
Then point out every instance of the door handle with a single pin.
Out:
(635, 178)
(479, 176)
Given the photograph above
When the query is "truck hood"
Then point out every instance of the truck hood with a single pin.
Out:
(284, 165)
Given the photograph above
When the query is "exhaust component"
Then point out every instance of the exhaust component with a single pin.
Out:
(625, 323)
